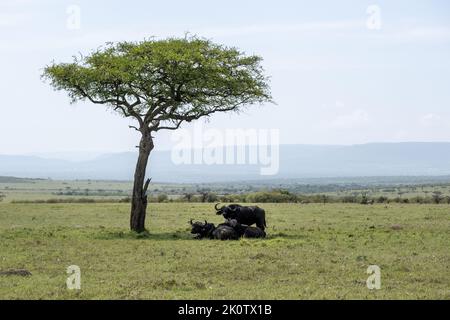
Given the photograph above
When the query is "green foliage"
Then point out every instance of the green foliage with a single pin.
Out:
(437, 196)
(162, 197)
(188, 197)
(162, 83)
(211, 197)
(275, 196)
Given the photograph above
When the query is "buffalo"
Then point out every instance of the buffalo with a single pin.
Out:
(243, 215)
(229, 230)
(224, 232)
(244, 230)
(209, 230)
(202, 230)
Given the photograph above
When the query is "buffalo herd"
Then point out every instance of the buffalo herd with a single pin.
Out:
(238, 221)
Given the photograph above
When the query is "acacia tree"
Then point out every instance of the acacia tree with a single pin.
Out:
(161, 84)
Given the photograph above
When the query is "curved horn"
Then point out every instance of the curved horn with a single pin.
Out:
(215, 207)
(191, 222)
(206, 222)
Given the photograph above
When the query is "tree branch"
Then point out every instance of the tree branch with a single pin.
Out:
(146, 186)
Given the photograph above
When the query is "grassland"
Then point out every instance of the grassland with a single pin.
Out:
(48, 189)
(313, 251)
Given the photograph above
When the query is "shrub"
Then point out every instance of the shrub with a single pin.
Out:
(437, 197)
(162, 197)
(349, 199)
(188, 197)
(276, 196)
(211, 197)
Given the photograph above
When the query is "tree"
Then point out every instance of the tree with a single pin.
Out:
(437, 197)
(161, 84)
(364, 198)
(188, 196)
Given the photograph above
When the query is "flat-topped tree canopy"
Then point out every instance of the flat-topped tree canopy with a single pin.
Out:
(163, 83)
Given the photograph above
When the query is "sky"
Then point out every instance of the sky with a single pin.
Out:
(342, 72)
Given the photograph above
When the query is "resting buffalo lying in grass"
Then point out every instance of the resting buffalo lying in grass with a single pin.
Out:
(202, 230)
(224, 232)
(244, 230)
(209, 230)
(230, 230)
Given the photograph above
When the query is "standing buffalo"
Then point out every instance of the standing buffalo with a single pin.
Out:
(243, 215)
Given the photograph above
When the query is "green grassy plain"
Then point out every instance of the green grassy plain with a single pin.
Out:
(313, 251)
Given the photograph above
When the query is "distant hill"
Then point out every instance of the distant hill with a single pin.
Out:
(296, 161)
(14, 179)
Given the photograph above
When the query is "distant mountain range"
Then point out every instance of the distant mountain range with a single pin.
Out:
(295, 161)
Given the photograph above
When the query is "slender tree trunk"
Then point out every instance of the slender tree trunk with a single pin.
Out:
(139, 199)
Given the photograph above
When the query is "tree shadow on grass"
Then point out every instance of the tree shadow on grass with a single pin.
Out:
(154, 236)
(178, 235)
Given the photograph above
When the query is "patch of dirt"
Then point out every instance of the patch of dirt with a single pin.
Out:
(15, 272)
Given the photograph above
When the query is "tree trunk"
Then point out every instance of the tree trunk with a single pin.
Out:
(139, 199)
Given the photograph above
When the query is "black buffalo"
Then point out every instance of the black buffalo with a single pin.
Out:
(244, 215)
(202, 230)
(224, 232)
(244, 230)
(209, 230)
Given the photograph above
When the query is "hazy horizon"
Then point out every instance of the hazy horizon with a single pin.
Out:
(194, 165)
(91, 154)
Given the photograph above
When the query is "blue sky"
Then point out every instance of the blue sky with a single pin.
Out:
(335, 80)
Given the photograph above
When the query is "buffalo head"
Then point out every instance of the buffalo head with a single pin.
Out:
(220, 210)
(201, 229)
(228, 212)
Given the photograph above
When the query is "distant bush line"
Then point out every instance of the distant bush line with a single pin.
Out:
(74, 200)
(87, 192)
(272, 196)
(284, 196)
